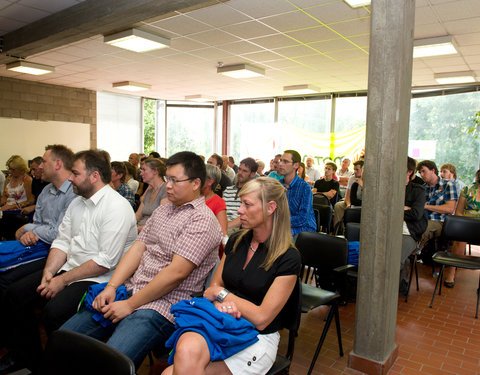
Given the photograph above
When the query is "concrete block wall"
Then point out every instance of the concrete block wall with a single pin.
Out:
(43, 102)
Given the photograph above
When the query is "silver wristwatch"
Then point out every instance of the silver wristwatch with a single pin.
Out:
(221, 296)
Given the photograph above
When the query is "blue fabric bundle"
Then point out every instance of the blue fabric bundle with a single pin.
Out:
(225, 335)
(93, 291)
(13, 253)
(353, 248)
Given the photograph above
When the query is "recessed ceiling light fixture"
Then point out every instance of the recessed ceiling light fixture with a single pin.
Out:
(442, 45)
(131, 86)
(26, 67)
(200, 98)
(241, 71)
(302, 89)
(455, 77)
(137, 40)
(358, 3)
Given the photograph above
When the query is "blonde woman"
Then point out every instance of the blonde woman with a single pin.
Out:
(254, 281)
(17, 192)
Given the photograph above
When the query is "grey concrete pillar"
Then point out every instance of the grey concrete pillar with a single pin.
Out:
(388, 111)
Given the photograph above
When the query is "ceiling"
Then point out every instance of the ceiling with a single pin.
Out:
(319, 42)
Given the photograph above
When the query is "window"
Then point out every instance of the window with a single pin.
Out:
(190, 128)
(119, 124)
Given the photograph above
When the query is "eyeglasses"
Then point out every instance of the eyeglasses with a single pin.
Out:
(175, 181)
(283, 161)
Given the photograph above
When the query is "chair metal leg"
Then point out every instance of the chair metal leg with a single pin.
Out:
(439, 280)
(478, 297)
(339, 333)
(416, 272)
(322, 338)
(409, 278)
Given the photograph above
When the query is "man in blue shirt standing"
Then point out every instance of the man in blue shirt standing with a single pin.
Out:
(50, 209)
(299, 194)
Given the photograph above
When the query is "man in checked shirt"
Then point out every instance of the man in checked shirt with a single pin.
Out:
(169, 261)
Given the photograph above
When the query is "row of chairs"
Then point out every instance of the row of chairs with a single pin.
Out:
(326, 258)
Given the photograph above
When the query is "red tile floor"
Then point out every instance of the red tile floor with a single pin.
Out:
(444, 339)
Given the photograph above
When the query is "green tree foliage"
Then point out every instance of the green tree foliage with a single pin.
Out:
(447, 119)
(148, 126)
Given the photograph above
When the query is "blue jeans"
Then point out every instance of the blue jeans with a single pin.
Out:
(134, 336)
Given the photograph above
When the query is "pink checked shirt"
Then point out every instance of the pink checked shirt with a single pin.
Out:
(191, 231)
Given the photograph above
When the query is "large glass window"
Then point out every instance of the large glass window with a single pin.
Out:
(253, 132)
(119, 124)
(190, 128)
(439, 132)
(350, 125)
(304, 126)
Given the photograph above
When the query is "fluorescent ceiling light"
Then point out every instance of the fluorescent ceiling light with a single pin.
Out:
(301, 89)
(22, 66)
(136, 40)
(131, 86)
(455, 77)
(442, 45)
(200, 98)
(358, 3)
(241, 71)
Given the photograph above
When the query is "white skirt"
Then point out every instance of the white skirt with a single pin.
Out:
(257, 359)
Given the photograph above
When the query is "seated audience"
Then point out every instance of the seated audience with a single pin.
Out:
(17, 194)
(261, 167)
(415, 221)
(225, 181)
(95, 232)
(154, 155)
(134, 160)
(152, 172)
(312, 173)
(299, 194)
(449, 172)
(2, 181)
(169, 261)
(340, 207)
(36, 173)
(212, 200)
(118, 182)
(344, 175)
(51, 206)
(273, 173)
(468, 205)
(356, 192)
(231, 164)
(327, 185)
(227, 169)
(129, 178)
(253, 281)
(440, 197)
(301, 172)
(246, 172)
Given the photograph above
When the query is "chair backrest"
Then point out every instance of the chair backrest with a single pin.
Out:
(72, 353)
(320, 199)
(324, 253)
(352, 232)
(352, 215)
(461, 228)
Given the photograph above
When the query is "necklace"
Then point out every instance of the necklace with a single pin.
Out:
(251, 248)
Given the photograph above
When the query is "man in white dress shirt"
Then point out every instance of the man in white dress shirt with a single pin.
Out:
(97, 229)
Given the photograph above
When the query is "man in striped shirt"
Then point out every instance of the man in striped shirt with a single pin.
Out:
(246, 171)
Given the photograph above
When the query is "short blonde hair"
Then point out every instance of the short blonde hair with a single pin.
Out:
(17, 162)
(280, 240)
(451, 168)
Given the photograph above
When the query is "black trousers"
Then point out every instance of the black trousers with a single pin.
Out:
(20, 323)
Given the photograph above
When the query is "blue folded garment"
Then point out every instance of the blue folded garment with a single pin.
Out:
(93, 291)
(224, 334)
(353, 250)
(13, 253)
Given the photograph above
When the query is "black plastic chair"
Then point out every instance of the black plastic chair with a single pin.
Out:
(327, 255)
(290, 316)
(72, 353)
(322, 204)
(413, 258)
(458, 228)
